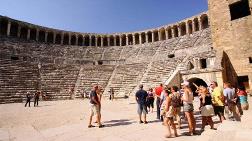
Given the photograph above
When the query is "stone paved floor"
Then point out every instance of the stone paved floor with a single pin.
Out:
(67, 121)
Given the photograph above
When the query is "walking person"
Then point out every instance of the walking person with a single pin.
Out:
(158, 91)
(188, 107)
(230, 102)
(150, 100)
(36, 97)
(94, 107)
(218, 100)
(242, 99)
(28, 98)
(141, 98)
(206, 108)
(111, 94)
(169, 115)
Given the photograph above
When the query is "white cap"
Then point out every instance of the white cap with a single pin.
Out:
(185, 83)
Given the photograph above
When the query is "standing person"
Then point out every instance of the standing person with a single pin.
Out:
(141, 98)
(94, 107)
(218, 100)
(169, 114)
(230, 102)
(150, 100)
(188, 107)
(36, 97)
(28, 98)
(206, 107)
(111, 94)
(71, 92)
(158, 91)
(163, 97)
(176, 104)
(242, 98)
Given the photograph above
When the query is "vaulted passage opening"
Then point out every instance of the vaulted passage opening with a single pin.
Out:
(14, 29)
(98, 41)
(50, 37)
(58, 39)
(189, 27)
(111, 41)
(123, 40)
(66, 39)
(130, 39)
(155, 33)
(23, 33)
(143, 37)
(73, 40)
(198, 82)
(93, 41)
(169, 30)
(196, 24)
(86, 40)
(162, 34)
(175, 31)
(117, 41)
(80, 40)
(137, 39)
(105, 41)
(182, 29)
(41, 36)
(33, 34)
(204, 21)
(149, 34)
(3, 27)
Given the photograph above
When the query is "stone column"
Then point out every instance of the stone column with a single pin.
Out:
(140, 39)
(101, 41)
(37, 34)
(8, 28)
(166, 34)
(114, 40)
(127, 40)
(90, 40)
(146, 38)
(179, 30)
(28, 34)
(19, 31)
(120, 37)
(134, 39)
(108, 40)
(54, 37)
(152, 34)
(96, 39)
(159, 35)
(200, 26)
(46, 35)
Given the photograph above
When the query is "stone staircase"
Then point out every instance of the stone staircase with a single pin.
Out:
(90, 75)
(56, 81)
(17, 78)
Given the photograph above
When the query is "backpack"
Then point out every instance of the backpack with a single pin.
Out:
(175, 100)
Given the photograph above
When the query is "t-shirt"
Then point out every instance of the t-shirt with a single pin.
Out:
(229, 94)
(94, 95)
(141, 97)
(217, 96)
(158, 90)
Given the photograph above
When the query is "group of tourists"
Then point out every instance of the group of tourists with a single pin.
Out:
(35, 96)
(170, 102)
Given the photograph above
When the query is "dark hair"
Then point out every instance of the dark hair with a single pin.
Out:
(242, 88)
(175, 88)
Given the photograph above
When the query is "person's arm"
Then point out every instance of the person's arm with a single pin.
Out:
(168, 101)
(185, 96)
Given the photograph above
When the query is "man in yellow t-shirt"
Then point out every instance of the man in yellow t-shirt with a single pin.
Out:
(218, 100)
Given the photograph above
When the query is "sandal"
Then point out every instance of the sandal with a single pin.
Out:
(168, 136)
(100, 126)
(145, 122)
(90, 126)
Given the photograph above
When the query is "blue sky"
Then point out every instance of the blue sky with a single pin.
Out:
(101, 16)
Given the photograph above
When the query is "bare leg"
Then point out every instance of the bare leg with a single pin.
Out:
(168, 128)
(90, 120)
(204, 120)
(187, 114)
(174, 127)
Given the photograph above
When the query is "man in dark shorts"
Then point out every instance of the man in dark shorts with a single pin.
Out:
(141, 98)
(28, 98)
(95, 107)
(36, 97)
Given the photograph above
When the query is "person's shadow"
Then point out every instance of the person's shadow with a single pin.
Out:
(121, 122)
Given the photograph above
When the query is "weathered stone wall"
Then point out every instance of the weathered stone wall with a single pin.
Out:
(232, 36)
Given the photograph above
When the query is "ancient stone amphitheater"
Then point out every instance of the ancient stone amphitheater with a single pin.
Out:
(40, 58)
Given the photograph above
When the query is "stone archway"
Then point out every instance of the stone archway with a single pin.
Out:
(198, 82)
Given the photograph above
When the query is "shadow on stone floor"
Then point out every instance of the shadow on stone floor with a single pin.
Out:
(121, 122)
